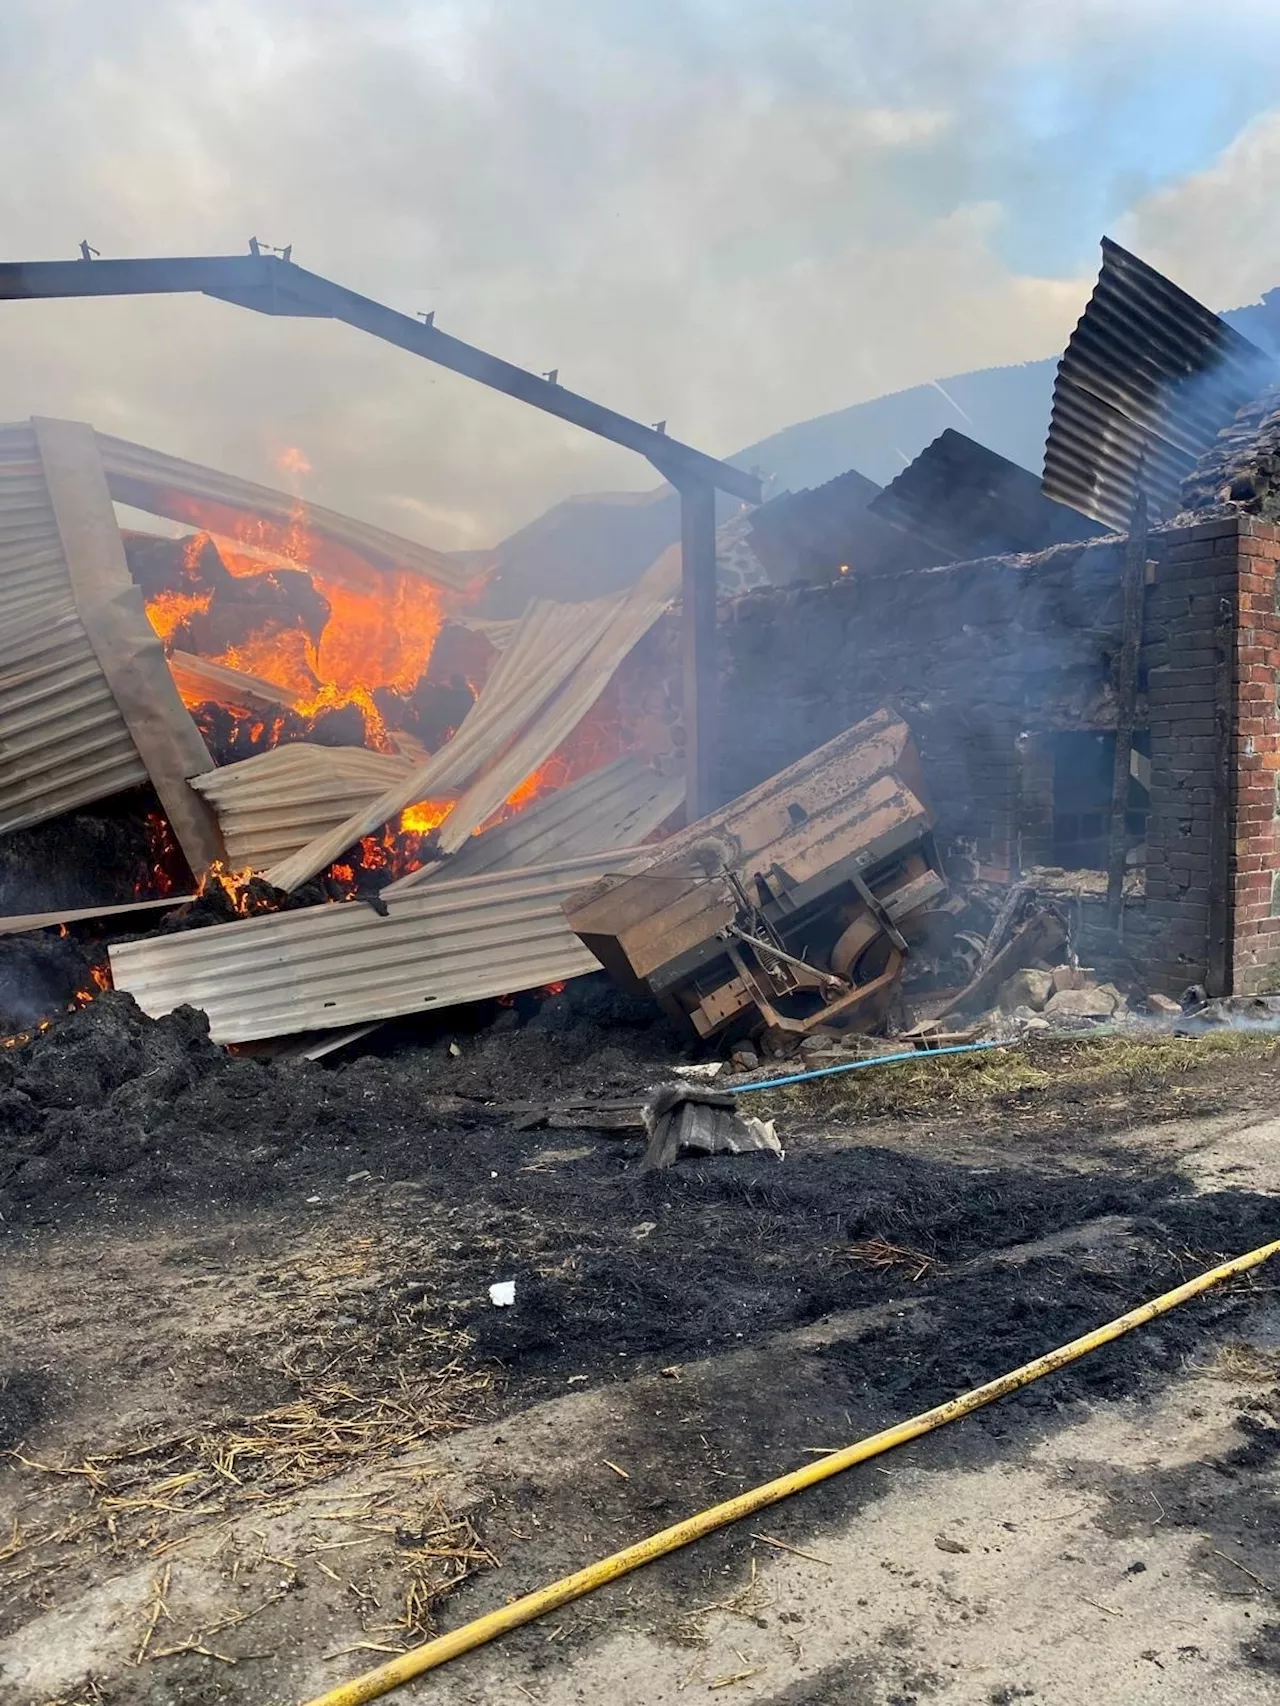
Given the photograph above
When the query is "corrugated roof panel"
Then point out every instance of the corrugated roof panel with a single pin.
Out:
(550, 643)
(200, 680)
(322, 967)
(169, 486)
(18, 923)
(966, 502)
(556, 717)
(63, 740)
(272, 804)
(1148, 380)
(617, 806)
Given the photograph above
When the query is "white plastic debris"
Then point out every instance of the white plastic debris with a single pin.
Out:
(765, 1135)
(502, 1293)
(704, 1069)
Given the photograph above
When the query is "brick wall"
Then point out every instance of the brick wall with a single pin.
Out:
(1188, 666)
(986, 661)
(1255, 762)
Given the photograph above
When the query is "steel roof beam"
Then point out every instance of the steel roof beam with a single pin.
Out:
(269, 284)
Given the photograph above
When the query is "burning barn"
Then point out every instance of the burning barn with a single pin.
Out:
(967, 720)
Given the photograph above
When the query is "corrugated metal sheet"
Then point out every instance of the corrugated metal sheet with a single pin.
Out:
(201, 680)
(63, 740)
(560, 713)
(823, 531)
(965, 501)
(111, 610)
(617, 806)
(1149, 379)
(552, 641)
(15, 924)
(328, 966)
(498, 630)
(272, 804)
(166, 485)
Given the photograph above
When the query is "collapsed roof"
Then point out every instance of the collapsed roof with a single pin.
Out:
(92, 702)
(1148, 380)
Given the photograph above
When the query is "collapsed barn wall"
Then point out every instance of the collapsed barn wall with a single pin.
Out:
(1005, 670)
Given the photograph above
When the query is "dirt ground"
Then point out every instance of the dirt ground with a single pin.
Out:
(263, 1425)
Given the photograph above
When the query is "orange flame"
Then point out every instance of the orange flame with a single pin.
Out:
(99, 980)
(424, 817)
(292, 460)
(169, 609)
(380, 631)
(539, 783)
(234, 884)
(20, 1037)
(379, 634)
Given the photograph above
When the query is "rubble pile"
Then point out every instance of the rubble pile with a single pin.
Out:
(1241, 471)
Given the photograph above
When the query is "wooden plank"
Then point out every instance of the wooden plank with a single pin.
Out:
(132, 658)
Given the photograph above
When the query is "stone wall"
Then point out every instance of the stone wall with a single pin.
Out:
(981, 659)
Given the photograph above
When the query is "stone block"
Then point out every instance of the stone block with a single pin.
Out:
(1072, 977)
(1081, 1004)
(1025, 989)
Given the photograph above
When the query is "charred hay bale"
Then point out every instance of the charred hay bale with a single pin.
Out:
(83, 1059)
(40, 973)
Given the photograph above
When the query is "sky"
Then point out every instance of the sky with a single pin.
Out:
(728, 214)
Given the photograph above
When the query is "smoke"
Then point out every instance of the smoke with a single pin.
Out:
(1216, 231)
(728, 216)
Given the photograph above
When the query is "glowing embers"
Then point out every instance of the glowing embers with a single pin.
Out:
(99, 980)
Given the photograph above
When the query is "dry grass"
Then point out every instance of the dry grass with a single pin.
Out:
(751, 1601)
(1244, 1364)
(364, 1396)
(1021, 1073)
(147, 1497)
(879, 1253)
(88, 1693)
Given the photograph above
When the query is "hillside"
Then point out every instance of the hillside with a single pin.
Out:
(599, 543)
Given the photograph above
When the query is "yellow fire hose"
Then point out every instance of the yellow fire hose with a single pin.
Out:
(375, 1683)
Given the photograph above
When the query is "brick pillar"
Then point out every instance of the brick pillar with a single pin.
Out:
(1255, 756)
(1192, 587)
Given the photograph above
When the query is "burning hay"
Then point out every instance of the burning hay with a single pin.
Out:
(336, 725)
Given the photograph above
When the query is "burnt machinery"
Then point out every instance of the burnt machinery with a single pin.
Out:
(792, 907)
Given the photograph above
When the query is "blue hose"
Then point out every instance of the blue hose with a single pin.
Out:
(858, 1065)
